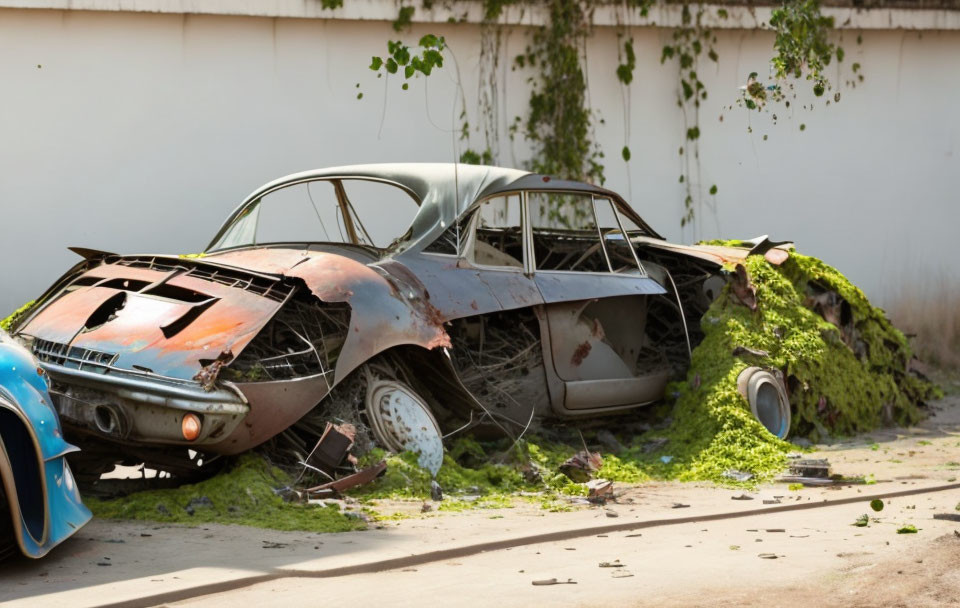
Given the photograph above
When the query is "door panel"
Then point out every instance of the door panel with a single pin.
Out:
(600, 351)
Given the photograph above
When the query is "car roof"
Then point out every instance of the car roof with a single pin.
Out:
(444, 191)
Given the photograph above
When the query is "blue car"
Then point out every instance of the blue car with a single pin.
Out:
(40, 504)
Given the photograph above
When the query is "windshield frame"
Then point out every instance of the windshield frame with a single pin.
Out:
(251, 206)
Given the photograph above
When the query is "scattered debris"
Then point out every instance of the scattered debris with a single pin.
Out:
(267, 544)
(599, 490)
(679, 505)
(332, 447)
(741, 497)
(862, 522)
(907, 529)
(581, 467)
(768, 556)
(819, 467)
(553, 581)
(614, 564)
(736, 475)
(339, 486)
(621, 574)
(743, 289)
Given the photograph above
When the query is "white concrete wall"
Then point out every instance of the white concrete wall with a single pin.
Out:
(139, 132)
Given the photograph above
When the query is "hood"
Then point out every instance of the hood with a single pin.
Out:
(153, 314)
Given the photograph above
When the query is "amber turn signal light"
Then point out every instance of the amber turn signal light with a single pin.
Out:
(190, 427)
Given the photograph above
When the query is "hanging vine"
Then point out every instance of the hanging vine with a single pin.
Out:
(559, 122)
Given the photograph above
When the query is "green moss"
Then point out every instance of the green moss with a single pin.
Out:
(11, 321)
(242, 495)
(835, 392)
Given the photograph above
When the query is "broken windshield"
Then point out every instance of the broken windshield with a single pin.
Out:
(353, 212)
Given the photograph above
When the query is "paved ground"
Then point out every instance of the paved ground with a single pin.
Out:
(819, 557)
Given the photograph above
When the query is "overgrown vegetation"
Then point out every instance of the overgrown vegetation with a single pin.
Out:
(245, 494)
(843, 379)
(559, 121)
(8, 323)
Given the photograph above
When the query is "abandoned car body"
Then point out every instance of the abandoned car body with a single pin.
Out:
(503, 297)
(39, 501)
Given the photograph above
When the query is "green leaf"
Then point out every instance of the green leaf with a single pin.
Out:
(907, 529)
(713, 189)
(405, 86)
(376, 63)
(359, 95)
(408, 71)
(391, 66)
(625, 153)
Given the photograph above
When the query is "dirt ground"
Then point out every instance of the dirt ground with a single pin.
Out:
(722, 553)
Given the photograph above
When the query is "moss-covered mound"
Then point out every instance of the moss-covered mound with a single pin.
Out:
(245, 494)
(843, 378)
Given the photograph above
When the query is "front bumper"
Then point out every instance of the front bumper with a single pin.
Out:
(140, 408)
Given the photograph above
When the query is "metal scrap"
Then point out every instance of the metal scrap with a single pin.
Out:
(361, 477)
(581, 466)
(332, 447)
(743, 289)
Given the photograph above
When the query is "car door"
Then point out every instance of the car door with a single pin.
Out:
(595, 294)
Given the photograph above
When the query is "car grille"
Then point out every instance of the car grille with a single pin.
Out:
(47, 351)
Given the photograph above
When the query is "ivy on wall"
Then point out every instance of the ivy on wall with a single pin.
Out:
(559, 122)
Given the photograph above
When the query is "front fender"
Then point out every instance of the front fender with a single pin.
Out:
(42, 495)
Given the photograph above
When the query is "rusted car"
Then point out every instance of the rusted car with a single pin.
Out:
(409, 298)
(40, 504)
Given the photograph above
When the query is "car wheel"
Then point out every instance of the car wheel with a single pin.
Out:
(401, 420)
(767, 397)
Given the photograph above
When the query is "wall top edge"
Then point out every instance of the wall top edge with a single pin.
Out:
(896, 14)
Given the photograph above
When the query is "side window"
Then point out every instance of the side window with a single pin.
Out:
(565, 235)
(498, 240)
(618, 249)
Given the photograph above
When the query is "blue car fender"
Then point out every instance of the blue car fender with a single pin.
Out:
(42, 497)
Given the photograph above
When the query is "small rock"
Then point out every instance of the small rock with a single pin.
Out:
(612, 513)
(679, 505)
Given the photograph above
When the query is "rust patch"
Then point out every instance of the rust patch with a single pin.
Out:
(207, 376)
(581, 353)
(743, 289)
